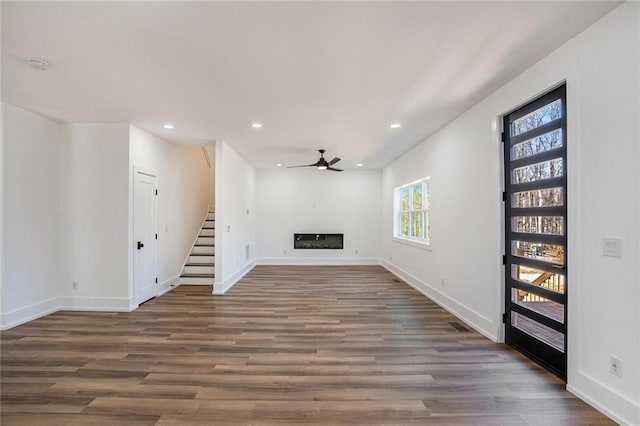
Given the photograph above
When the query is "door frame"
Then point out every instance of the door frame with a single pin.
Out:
(528, 345)
(152, 173)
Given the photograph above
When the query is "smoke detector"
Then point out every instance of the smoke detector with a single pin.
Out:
(38, 64)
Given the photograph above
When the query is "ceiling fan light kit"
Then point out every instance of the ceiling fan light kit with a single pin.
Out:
(322, 164)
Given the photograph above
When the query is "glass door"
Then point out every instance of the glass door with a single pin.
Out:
(535, 154)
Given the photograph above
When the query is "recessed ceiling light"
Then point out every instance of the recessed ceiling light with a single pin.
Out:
(256, 125)
(168, 126)
(38, 64)
(359, 165)
(395, 126)
(279, 165)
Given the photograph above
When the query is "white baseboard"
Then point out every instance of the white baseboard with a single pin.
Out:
(98, 304)
(319, 261)
(168, 285)
(478, 322)
(28, 313)
(619, 408)
(223, 287)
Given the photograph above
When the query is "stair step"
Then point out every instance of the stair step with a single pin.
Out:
(199, 264)
(207, 259)
(207, 268)
(204, 245)
(205, 240)
(192, 275)
(202, 251)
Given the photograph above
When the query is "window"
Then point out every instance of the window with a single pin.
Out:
(412, 211)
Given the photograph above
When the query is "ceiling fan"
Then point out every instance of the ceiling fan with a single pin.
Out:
(322, 164)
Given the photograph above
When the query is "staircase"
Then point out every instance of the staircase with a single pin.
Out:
(200, 266)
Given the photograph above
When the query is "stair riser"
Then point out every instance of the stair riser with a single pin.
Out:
(201, 259)
(205, 240)
(202, 250)
(207, 232)
(211, 216)
(199, 270)
(196, 281)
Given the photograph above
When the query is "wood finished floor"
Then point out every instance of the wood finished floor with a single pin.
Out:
(302, 345)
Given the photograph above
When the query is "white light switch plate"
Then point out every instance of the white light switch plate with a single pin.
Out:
(612, 247)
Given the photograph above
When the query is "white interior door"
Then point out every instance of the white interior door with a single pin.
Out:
(144, 218)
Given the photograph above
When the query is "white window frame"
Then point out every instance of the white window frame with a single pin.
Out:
(425, 240)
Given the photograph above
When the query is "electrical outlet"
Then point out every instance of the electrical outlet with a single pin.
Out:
(615, 365)
(285, 252)
(442, 282)
(356, 252)
(74, 285)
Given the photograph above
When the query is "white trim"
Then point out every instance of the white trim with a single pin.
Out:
(326, 261)
(223, 287)
(168, 285)
(28, 313)
(612, 404)
(478, 322)
(99, 304)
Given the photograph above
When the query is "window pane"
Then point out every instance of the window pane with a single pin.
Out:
(404, 224)
(417, 224)
(542, 332)
(538, 224)
(404, 198)
(538, 304)
(542, 143)
(537, 118)
(417, 196)
(544, 279)
(550, 197)
(427, 187)
(551, 253)
(539, 171)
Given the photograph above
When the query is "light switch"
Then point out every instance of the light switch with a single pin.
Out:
(612, 247)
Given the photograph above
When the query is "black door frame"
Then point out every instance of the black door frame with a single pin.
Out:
(546, 355)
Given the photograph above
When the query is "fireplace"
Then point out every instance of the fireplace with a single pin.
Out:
(318, 241)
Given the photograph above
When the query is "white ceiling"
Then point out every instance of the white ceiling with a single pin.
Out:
(328, 75)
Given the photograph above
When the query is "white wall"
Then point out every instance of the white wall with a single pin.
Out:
(182, 203)
(463, 159)
(94, 217)
(211, 151)
(235, 216)
(311, 201)
(31, 191)
(2, 130)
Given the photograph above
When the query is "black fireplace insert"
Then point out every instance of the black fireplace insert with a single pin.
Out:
(318, 241)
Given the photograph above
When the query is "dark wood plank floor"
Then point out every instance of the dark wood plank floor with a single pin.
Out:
(303, 345)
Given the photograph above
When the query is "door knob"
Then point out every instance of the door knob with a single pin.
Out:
(140, 245)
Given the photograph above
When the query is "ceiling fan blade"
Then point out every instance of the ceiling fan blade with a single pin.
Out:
(306, 165)
(334, 161)
(333, 169)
